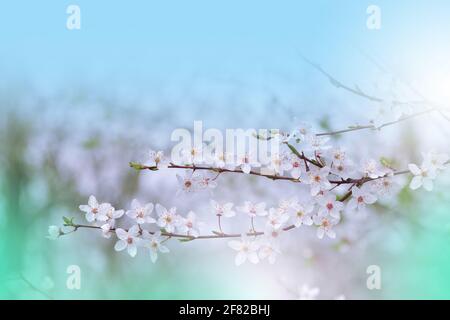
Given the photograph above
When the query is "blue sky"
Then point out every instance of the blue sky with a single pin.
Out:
(173, 42)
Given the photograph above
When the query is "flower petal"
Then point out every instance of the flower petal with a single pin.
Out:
(428, 184)
(160, 210)
(416, 183)
(120, 245)
(85, 208)
(331, 234)
(320, 233)
(240, 258)
(414, 169)
(132, 250)
(117, 214)
(93, 202)
(135, 204)
(153, 256)
(253, 257)
(370, 199)
(235, 245)
(121, 234)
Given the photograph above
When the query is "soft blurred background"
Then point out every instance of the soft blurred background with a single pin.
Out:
(77, 105)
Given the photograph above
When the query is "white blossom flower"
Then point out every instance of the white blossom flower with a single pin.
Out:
(207, 181)
(246, 248)
(435, 161)
(223, 209)
(108, 215)
(337, 155)
(423, 176)
(278, 163)
(296, 166)
(153, 242)
(189, 225)
(385, 186)
(53, 232)
(316, 144)
(157, 159)
(372, 169)
(193, 155)
(168, 219)
(307, 293)
(282, 137)
(128, 240)
(253, 209)
(318, 179)
(276, 218)
(189, 183)
(360, 198)
(328, 205)
(141, 213)
(303, 130)
(302, 214)
(272, 233)
(246, 163)
(222, 160)
(343, 169)
(91, 209)
(325, 225)
(286, 205)
(106, 212)
(269, 250)
(107, 228)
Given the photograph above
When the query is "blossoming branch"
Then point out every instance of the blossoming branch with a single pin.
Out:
(334, 184)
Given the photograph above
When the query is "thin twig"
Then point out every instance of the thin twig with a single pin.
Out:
(371, 126)
(357, 91)
(189, 237)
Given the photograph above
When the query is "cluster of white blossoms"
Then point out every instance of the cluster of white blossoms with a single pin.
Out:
(316, 161)
(333, 183)
(322, 211)
(168, 222)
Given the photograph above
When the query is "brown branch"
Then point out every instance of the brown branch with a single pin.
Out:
(213, 169)
(359, 181)
(303, 157)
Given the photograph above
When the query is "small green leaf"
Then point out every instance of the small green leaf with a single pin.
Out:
(324, 123)
(186, 239)
(138, 166)
(68, 221)
(389, 163)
